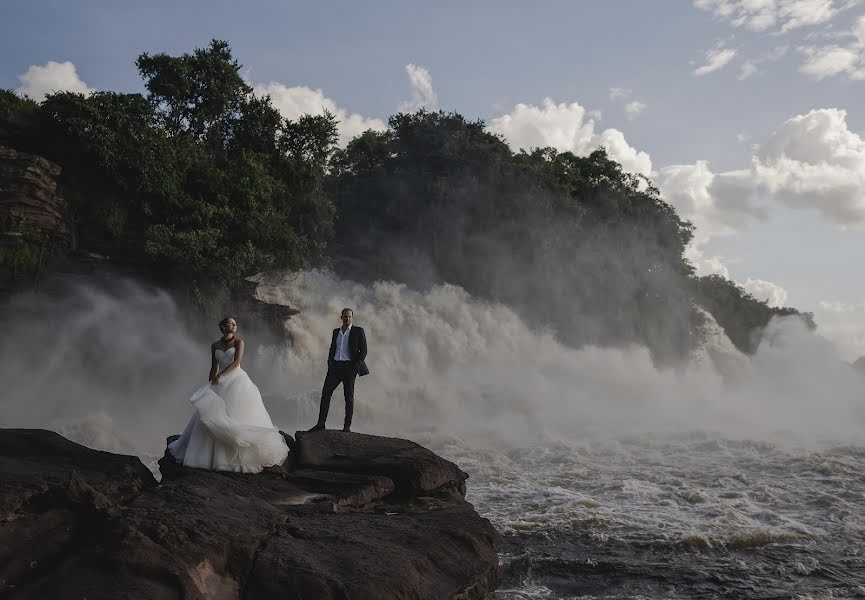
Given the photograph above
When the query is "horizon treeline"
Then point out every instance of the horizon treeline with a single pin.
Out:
(207, 180)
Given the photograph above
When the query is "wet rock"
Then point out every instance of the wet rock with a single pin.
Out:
(81, 523)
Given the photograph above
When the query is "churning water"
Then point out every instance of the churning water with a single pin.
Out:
(734, 477)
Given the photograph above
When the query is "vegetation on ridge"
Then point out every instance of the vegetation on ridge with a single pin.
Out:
(206, 180)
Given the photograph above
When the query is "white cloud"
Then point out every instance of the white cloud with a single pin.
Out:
(747, 70)
(422, 92)
(772, 293)
(821, 59)
(760, 15)
(718, 204)
(752, 66)
(843, 324)
(803, 13)
(829, 61)
(715, 59)
(294, 102)
(840, 307)
(811, 161)
(617, 92)
(814, 161)
(39, 81)
(713, 265)
(634, 108)
(859, 30)
(566, 127)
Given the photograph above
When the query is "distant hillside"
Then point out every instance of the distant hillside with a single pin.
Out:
(206, 182)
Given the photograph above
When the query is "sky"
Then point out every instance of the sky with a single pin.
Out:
(749, 115)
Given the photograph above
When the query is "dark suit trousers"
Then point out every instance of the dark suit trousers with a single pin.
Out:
(344, 372)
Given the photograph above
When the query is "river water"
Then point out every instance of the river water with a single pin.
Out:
(730, 477)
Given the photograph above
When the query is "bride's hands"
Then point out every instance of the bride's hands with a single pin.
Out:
(216, 379)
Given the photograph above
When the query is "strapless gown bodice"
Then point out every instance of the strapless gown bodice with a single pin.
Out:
(224, 357)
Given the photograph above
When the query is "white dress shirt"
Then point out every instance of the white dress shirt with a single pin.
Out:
(341, 352)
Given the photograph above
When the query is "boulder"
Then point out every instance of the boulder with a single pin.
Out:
(81, 523)
(414, 470)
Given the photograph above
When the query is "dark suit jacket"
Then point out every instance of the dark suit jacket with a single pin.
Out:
(356, 349)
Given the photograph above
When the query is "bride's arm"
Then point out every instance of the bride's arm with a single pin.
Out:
(238, 356)
(213, 363)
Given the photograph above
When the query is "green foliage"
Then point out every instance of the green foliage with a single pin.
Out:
(21, 250)
(207, 181)
(201, 176)
(740, 314)
(202, 94)
(572, 242)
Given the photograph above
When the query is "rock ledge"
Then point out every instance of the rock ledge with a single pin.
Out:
(349, 516)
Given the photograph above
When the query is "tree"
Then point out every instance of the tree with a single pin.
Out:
(572, 242)
(201, 176)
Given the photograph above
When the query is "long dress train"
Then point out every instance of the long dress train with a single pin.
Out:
(231, 429)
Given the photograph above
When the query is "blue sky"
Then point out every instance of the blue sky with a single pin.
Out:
(748, 86)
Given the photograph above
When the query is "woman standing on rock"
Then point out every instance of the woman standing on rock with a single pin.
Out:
(231, 429)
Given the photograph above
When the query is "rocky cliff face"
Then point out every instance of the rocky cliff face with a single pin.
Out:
(349, 516)
(29, 189)
(35, 225)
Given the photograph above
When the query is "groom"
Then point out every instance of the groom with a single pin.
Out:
(345, 362)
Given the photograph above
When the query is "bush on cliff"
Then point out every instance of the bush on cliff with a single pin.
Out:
(200, 176)
(205, 179)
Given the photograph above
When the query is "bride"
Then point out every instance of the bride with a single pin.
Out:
(230, 430)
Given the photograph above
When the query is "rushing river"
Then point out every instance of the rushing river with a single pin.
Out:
(732, 477)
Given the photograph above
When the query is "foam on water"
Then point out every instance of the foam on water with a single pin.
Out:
(726, 455)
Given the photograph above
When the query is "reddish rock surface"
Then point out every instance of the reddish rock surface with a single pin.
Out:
(349, 516)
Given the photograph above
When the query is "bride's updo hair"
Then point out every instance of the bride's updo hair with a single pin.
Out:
(224, 322)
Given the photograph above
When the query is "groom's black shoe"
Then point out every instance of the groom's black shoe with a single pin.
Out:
(316, 427)
(346, 429)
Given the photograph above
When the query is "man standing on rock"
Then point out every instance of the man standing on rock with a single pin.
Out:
(345, 362)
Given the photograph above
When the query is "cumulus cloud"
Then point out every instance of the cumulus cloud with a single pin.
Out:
(814, 161)
(294, 102)
(715, 59)
(772, 293)
(566, 127)
(41, 80)
(760, 15)
(422, 93)
(718, 204)
(634, 108)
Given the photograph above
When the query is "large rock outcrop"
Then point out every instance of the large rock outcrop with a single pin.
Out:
(29, 195)
(349, 516)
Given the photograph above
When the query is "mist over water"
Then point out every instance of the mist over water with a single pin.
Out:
(576, 455)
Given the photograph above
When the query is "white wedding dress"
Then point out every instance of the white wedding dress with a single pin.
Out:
(230, 430)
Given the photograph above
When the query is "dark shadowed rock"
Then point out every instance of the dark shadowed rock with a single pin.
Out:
(102, 528)
(413, 469)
